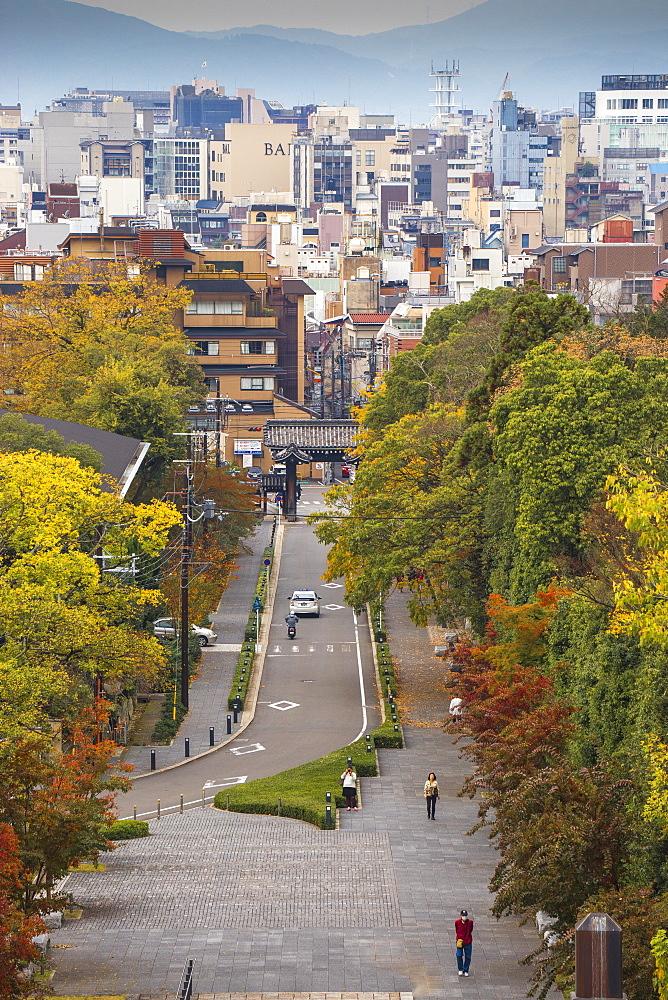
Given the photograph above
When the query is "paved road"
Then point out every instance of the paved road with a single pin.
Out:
(318, 692)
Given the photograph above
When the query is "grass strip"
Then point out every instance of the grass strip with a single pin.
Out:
(301, 790)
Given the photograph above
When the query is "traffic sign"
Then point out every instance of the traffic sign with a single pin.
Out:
(267, 562)
(257, 605)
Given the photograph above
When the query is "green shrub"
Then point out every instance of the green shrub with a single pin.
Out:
(246, 657)
(167, 727)
(127, 829)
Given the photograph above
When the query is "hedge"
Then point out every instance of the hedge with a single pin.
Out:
(246, 658)
(127, 829)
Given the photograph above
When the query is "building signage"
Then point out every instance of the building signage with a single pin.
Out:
(278, 150)
(242, 447)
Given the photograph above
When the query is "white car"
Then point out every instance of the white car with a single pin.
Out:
(305, 602)
(165, 628)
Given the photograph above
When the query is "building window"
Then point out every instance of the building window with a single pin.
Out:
(261, 217)
(369, 157)
(434, 262)
(612, 105)
(495, 213)
(258, 347)
(480, 264)
(559, 265)
(257, 383)
(358, 158)
(647, 103)
(662, 102)
(203, 347)
(204, 308)
(628, 103)
(525, 241)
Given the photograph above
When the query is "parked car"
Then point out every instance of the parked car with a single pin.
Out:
(254, 472)
(305, 602)
(165, 628)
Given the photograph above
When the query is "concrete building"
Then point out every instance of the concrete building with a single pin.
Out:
(54, 155)
(251, 158)
(556, 169)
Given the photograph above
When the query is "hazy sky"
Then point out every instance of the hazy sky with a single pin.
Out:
(349, 17)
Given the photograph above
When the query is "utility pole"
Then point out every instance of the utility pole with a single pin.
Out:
(186, 554)
(219, 420)
(342, 376)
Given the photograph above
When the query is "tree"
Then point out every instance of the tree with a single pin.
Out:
(95, 342)
(59, 805)
(16, 930)
(58, 612)
(17, 434)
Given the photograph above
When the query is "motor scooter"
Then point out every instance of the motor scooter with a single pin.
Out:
(291, 622)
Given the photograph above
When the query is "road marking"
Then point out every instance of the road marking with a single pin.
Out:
(361, 676)
(239, 780)
(251, 748)
(284, 706)
(295, 649)
(334, 607)
(227, 647)
(332, 586)
(345, 648)
(330, 649)
(227, 781)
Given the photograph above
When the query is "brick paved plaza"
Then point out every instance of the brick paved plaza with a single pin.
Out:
(273, 905)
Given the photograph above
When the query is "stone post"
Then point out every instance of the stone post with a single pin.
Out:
(598, 958)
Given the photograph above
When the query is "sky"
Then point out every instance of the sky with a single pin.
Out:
(346, 17)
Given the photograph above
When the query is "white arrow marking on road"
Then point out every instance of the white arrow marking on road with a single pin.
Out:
(227, 781)
(251, 748)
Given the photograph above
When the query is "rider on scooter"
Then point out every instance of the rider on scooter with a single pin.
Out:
(291, 621)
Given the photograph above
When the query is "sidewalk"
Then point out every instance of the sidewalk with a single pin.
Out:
(211, 686)
(267, 905)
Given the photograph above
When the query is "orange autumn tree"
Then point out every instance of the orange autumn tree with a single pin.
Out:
(59, 804)
(16, 930)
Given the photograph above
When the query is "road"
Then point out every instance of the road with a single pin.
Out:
(318, 691)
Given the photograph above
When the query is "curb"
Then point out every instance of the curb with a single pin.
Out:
(248, 714)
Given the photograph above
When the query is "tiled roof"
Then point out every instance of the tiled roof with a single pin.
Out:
(317, 435)
(372, 319)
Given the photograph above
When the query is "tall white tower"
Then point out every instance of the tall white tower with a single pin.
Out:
(446, 93)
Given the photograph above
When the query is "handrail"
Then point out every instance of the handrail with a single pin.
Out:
(186, 988)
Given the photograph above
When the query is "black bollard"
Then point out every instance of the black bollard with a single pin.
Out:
(328, 817)
(153, 760)
(211, 736)
(187, 741)
(236, 713)
(229, 724)
(328, 796)
(350, 761)
(598, 958)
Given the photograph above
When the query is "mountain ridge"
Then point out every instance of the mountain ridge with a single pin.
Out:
(384, 72)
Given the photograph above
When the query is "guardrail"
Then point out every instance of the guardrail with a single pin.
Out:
(186, 988)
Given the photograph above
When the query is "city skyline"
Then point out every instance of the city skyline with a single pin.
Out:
(345, 17)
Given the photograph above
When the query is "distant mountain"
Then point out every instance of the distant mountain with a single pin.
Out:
(550, 50)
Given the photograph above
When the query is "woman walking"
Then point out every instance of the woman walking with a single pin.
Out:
(431, 795)
(349, 781)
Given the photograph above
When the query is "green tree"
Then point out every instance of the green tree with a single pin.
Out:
(17, 434)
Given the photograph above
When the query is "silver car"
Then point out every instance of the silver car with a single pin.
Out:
(165, 628)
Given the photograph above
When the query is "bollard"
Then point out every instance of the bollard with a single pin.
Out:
(369, 748)
(328, 796)
(211, 736)
(396, 729)
(153, 760)
(227, 804)
(278, 810)
(203, 797)
(394, 718)
(158, 816)
(236, 713)
(229, 724)
(350, 761)
(598, 958)
(134, 812)
(328, 816)
(187, 742)
(181, 805)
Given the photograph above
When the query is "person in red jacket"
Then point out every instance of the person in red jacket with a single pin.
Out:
(464, 932)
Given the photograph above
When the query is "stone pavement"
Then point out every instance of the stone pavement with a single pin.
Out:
(267, 905)
(210, 688)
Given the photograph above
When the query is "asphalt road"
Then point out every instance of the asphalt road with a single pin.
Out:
(317, 694)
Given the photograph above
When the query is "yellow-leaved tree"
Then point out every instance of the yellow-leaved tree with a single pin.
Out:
(63, 622)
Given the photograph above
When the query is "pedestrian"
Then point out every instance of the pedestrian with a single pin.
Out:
(349, 782)
(431, 794)
(455, 709)
(464, 933)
